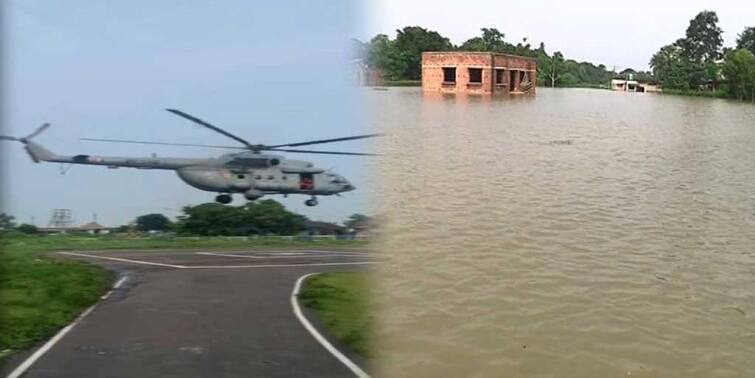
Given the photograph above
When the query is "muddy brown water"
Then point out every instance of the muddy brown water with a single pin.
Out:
(580, 233)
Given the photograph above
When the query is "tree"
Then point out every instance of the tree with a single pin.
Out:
(6, 221)
(356, 220)
(412, 41)
(491, 40)
(382, 53)
(670, 66)
(703, 42)
(746, 39)
(359, 49)
(27, 228)
(553, 67)
(152, 222)
(702, 47)
(739, 70)
(473, 44)
(663, 60)
(568, 80)
(260, 217)
(271, 217)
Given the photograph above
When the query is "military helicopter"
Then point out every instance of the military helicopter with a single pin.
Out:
(252, 172)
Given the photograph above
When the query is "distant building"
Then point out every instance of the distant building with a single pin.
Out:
(94, 228)
(364, 74)
(478, 72)
(324, 228)
(624, 85)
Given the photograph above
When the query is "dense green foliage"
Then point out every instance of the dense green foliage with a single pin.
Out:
(341, 303)
(400, 59)
(688, 65)
(739, 70)
(693, 63)
(255, 218)
(746, 39)
(153, 222)
(6, 221)
(27, 228)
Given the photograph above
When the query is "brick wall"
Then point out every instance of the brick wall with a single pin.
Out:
(434, 62)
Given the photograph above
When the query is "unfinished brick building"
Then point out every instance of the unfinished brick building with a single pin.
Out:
(478, 72)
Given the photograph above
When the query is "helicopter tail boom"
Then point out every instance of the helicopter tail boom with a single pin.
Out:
(36, 152)
(39, 153)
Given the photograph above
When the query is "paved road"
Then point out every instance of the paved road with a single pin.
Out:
(207, 314)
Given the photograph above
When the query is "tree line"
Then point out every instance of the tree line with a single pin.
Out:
(265, 217)
(699, 62)
(401, 58)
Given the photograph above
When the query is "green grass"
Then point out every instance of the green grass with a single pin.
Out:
(341, 303)
(39, 294)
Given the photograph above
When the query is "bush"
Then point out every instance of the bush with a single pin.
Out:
(27, 229)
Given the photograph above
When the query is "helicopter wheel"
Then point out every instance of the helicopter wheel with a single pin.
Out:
(311, 202)
(224, 199)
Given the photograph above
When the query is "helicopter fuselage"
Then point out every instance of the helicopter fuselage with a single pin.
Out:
(258, 174)
(252, 174)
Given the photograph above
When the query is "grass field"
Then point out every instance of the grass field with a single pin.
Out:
(341, 303)
(39, 295)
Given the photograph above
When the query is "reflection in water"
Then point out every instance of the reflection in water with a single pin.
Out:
(579, 233)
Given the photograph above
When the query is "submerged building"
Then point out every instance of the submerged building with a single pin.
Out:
(623, 85)
(478, 73)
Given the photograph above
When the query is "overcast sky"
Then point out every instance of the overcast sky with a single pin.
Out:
(620, 33)
(273, 72)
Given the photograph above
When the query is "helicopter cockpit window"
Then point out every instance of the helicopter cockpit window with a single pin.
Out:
(338, 179)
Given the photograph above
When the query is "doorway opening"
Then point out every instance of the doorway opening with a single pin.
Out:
(306, 181)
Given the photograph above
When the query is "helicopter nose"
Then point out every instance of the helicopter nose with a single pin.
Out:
(349, 187)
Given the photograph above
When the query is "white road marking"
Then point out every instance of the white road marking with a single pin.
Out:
(297, 251)
(303, 252)
(122, 260)
(272, 256)
(21, 369)
(214, 266)
(275, 265)
(320, 338)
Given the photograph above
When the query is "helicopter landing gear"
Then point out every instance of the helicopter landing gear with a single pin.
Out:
(223, 198)
(311, 202)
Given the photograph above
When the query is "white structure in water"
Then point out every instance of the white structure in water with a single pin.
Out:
(623, 85)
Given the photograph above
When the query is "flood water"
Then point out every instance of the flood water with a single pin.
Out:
(579, 233)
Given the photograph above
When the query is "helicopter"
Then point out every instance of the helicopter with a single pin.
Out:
(253, 172)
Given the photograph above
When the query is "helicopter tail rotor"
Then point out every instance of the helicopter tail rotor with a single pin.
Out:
(36, 152)
(27, 138)
(36, 132)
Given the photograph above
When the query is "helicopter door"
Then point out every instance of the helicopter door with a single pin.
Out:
(306, 181)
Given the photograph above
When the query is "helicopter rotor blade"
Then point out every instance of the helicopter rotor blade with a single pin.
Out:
(160, 143)
(325, 141)
(211, 127)
(3, 137)
(38, 131)
(319, 152)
